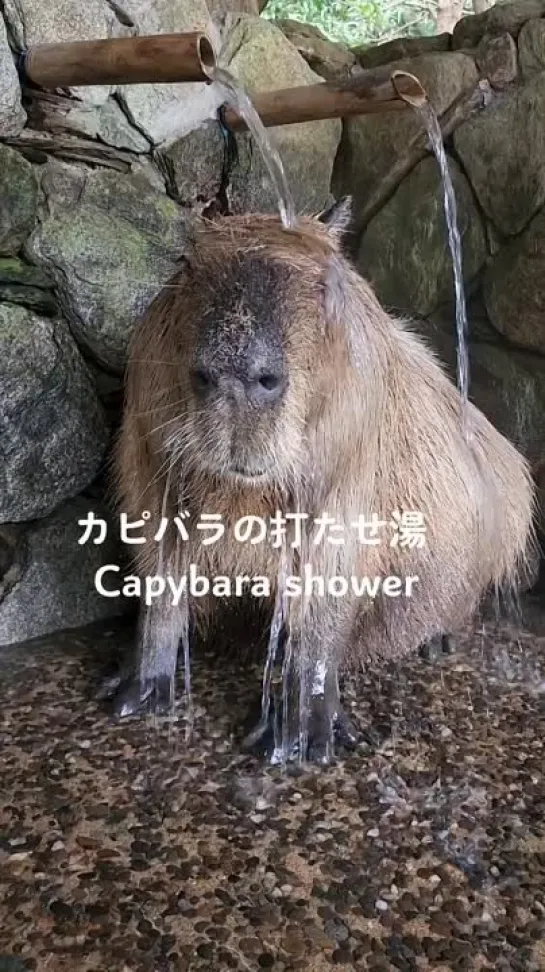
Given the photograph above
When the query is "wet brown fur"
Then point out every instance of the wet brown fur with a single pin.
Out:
(370, 424)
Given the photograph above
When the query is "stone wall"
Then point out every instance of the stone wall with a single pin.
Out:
(99, 187)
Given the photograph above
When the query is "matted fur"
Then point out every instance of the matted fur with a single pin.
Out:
(370, 423)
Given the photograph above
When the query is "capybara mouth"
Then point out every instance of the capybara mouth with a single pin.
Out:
(248, 475)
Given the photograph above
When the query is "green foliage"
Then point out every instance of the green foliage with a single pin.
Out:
(356, 22)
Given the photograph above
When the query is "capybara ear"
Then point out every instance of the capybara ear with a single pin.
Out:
(338, 217)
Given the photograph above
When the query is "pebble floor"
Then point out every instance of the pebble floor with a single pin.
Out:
(123, 848)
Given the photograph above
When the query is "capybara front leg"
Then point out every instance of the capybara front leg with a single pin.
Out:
(148, 680)
(329, 726)
(305, 720)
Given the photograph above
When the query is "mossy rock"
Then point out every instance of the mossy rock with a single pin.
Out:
(404, 251)
(109, 254)
(53, 431)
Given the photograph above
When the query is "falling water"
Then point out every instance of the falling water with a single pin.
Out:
(277, 625)
(236, 98)
(185, 646)
(433, 129)
(287, 672)
(184, 608)
(306, 672)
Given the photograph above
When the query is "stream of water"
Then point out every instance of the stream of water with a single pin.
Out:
(277, 627)
(235, 97)
(433, 128)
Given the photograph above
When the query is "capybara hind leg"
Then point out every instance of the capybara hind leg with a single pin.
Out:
(148, 680)
(437, 646)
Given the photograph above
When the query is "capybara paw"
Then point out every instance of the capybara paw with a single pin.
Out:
(323, 742)
(317, 745)
(130, 695)
(436, 647)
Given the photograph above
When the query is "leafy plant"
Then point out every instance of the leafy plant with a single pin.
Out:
(356, 22)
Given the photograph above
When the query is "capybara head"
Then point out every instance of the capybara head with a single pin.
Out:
(247, 331)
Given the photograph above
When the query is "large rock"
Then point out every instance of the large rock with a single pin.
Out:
(47, 578)
(193, 165)
(509, 387)
(503, 152)
(90, 110)
(53, 432)
(372, 144)
(12, 115)
(514, 291)
(497, 60)
(332, 61)
(165, 112)
(502, 18)
(261, 58)
(402, 47)
(33, 22)
(19, 200)
(531, 47)
(404, 251)
(440, 326)
(110, 244)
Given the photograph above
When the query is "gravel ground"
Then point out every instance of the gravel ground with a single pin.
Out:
(125, 848)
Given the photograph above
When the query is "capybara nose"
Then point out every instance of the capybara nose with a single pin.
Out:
(259, 388)
(264, 387)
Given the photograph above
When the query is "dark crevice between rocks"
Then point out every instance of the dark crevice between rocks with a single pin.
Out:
(89, 152)
(138, 128)
(122, 16)
(508, 345)
(220, 205)
(102, 487)
(165, 167)
(27, 286)
(13, 557)
(487, 226)
(12, 40)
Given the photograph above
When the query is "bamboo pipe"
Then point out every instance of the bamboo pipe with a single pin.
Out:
(165, 58)
(370, 92)
(158, 58)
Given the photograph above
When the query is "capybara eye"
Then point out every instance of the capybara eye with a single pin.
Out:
(269, 381)
(202, 379)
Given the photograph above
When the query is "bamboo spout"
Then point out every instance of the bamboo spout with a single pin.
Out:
(372, 91)
(409, 89)
(124, 60)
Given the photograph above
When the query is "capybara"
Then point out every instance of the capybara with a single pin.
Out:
(267, 377)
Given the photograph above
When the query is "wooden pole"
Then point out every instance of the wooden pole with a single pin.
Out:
(369, 92)
(158, 58)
